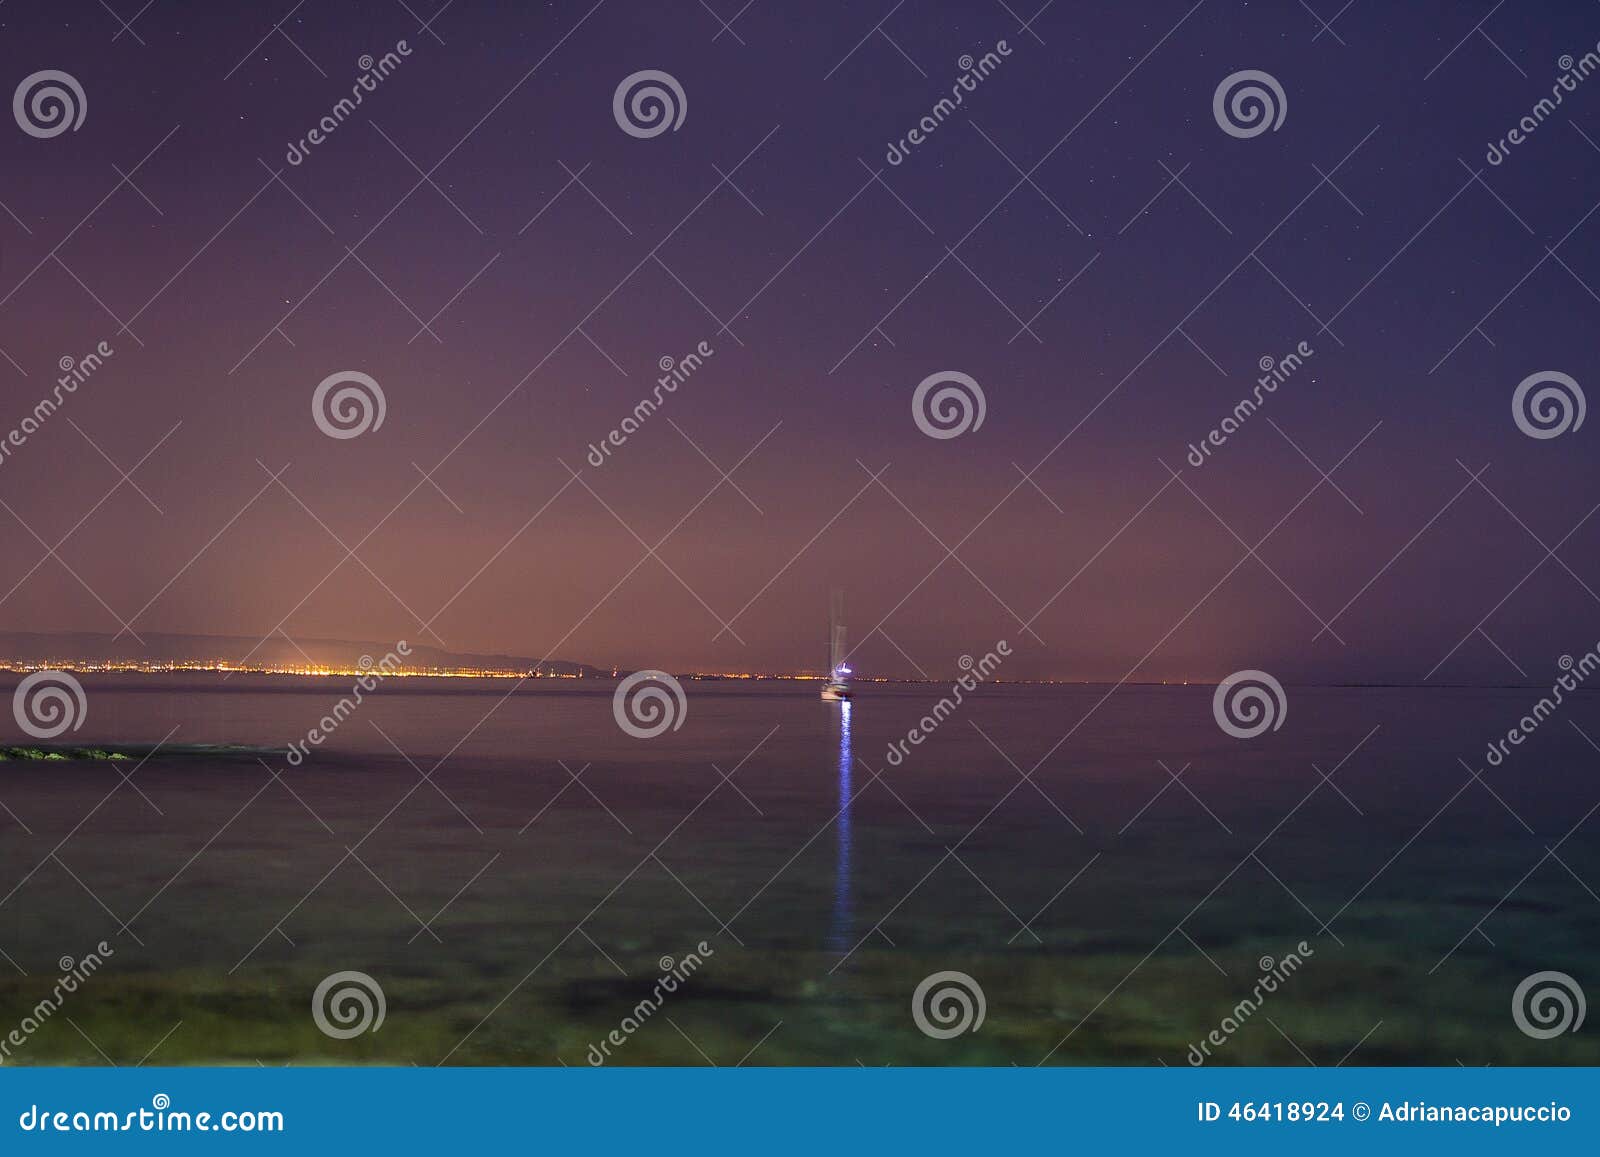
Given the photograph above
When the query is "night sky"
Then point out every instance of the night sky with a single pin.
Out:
(513, 308)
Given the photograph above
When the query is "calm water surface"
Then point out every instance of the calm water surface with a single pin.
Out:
(514, 870)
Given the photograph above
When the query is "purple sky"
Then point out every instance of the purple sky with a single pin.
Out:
(552, 300)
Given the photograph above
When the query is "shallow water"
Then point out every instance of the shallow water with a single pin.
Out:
(514, 914)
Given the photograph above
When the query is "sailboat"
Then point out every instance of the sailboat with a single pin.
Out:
(838, 687)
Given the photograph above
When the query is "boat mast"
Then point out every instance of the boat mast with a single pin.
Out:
(835, 632)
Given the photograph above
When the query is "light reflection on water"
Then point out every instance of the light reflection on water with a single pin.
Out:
(839, 927)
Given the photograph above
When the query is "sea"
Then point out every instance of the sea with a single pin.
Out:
(486, 872)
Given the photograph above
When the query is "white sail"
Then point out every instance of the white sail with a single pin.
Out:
(836, 650)
(837, 687)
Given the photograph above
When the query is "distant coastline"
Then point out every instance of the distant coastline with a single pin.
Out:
(175, 654)
(157, 653)
(8, 666)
